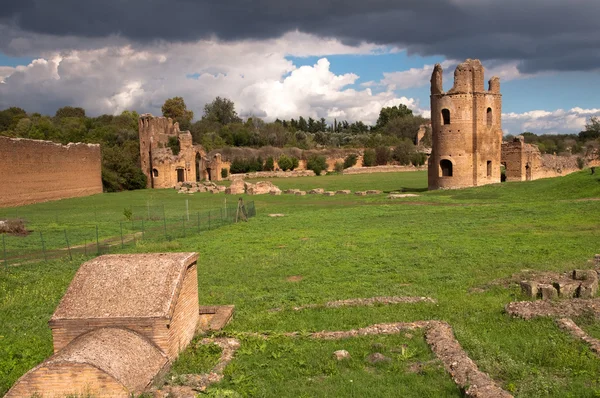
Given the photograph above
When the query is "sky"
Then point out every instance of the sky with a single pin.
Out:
(334, 59)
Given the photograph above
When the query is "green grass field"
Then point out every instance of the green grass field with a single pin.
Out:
(455, 246)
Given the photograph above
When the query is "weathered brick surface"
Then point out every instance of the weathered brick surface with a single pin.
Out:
(472, 136)
(37, 171)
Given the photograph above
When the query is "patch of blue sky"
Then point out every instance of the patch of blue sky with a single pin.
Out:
(369, 67)
(6, 60)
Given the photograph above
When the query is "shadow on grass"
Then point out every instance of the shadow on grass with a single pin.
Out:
(407, 189)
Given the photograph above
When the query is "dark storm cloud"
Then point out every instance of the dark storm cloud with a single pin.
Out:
(542, 34)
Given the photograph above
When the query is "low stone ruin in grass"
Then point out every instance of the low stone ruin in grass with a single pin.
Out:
(579, 283)
(193, 187)
(14, 226)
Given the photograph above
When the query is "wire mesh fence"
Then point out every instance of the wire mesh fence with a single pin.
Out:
(53, 241)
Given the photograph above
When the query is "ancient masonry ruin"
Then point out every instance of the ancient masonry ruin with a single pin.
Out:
(466, 129)
(122, 321)
(165, 169)
(524, 162)
(37, 171)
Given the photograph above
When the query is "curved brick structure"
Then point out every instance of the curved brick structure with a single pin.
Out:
(466, 129)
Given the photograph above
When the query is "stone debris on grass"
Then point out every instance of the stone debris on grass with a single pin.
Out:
(343, 192)
(291, 191)
(556, 308)
(329, 193)
(260, 188)
(360, 193)
(578, 283)
(341, 355)
(316, 191)
(575, 331)
(300, 193)
(369, 302)
(377, 357)
(463, 370)
(373, 192)
(401, 195)
(276, 215)
(194, 383)
(444, 345)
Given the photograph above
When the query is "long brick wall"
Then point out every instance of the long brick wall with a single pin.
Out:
(34, 171)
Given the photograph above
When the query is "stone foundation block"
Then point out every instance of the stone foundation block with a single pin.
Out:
(588, 288)
(360, 193)
(373, 192)
(548, 292)
(316, 191)
(300, 193)
(329, 193)
(585, 275)
(566, 289)
(343, 192)
(530, 289)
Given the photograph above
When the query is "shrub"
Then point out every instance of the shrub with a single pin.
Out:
(295, 162)
(14, 226)
(369, 158)
(350, 160)
(339, 167)
(173, 143)
(246, 165)
(404, 152)
(418, 159)
(580, 163)
(382, 155)
(285, 163)
(224, 173)
(269, 164)
(317, 164)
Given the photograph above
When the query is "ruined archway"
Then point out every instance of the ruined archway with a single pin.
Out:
(180, 174)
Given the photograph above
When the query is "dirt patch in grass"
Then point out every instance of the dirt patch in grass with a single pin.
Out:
(548, 308)
(14, 226)
(386, 300)
(294, 278)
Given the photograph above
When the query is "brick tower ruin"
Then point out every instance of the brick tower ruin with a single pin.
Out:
(466, 129)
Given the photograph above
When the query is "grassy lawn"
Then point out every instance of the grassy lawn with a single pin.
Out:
(455, 246)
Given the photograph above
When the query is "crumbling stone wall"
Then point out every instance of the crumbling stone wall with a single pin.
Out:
(161, 166)
(33, 171)
(524, 162)
(466, 129)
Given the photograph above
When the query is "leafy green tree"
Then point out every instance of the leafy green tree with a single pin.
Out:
(350, 160)
(222, 111)
(369, 158)
(270, 164)
(317, 163)
(176, 109)
(404, 152)
(382, 155)
(285, 163)
(393, 112)
(70, 111)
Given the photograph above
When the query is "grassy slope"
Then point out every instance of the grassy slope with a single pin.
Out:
(441, 244)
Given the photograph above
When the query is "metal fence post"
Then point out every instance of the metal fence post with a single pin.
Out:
(97, 241)
(165, 225)
(68, 246)
(43, 247)
(121, 225)
(183, 222)
(4, 251)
